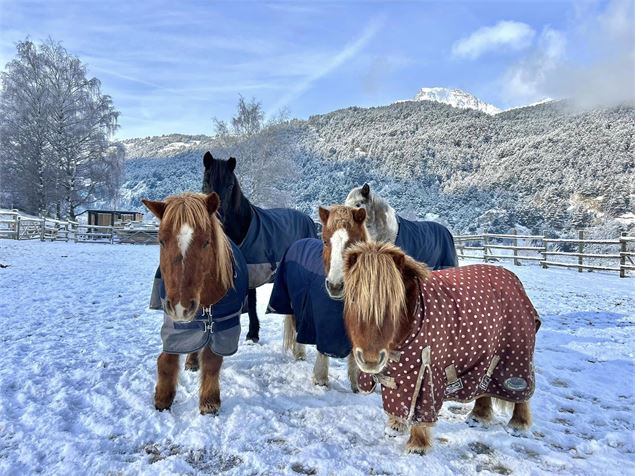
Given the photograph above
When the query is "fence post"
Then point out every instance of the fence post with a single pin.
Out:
(623, 255)
(544, 252)
(17, 227)
(42, 227)
(580, 249)
(485, 243)
(516, 262)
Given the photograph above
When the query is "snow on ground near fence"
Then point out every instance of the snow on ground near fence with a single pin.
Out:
(78, 369)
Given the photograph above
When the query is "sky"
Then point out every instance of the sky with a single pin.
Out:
(173, 66)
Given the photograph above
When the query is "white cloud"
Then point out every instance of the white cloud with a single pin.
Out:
(505, 35)
(603, 75)
(523, 82)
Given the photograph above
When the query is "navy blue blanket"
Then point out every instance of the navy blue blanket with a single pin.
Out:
(220, 330)
(427, 242)
(270, 233)
(299, 290)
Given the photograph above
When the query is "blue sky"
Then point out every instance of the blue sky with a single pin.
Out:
(172, 66)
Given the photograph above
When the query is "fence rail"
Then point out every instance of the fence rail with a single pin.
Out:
(614, 255)
(15, 226)
(488, 247)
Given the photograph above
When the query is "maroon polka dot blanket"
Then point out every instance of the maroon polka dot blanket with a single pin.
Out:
(472, 335)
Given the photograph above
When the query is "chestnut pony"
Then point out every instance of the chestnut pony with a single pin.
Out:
(196, 265)
(383, 313)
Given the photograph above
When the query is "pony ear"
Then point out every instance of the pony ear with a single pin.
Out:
(207, 160)
(365, 190)
(359, 215)
(350, 258)
(213, 202)
(400, 260)
(324, 215)
(231, 163)
(157, 208)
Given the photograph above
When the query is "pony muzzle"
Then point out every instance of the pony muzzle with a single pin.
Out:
(181, 312)
(334, 290)
(371, 364)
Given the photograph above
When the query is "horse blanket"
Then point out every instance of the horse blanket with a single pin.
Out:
(473, 334)
(299, 290)
(218, 327)
(270, 233)
(427, 242)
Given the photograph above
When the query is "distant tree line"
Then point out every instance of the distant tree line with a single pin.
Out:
(56, 152)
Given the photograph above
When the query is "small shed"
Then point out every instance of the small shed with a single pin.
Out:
(112, 217)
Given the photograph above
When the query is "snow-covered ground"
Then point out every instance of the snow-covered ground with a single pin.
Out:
(78, 369)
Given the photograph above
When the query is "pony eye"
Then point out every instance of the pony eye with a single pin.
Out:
(358, 204)
(162, 243)
(206, 244)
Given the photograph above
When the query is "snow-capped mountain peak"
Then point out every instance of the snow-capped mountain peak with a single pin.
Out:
(456, 98)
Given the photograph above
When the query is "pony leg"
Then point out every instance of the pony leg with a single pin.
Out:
(321, 370)
(394, 427)
(191, 363)
(254, 323)
(521, 418)
(209, 396)
(482, 411)
(167, 376)
(289, 336)
(353, 373)
(420, 440)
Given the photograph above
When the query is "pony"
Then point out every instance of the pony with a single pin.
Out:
(261, 234)
(311, 316)
(203, 289)
(413, 331)
(425, 241)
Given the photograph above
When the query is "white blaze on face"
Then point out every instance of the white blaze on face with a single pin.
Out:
(338, 242)
(184, 238)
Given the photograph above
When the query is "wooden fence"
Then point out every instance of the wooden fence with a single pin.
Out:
(588, 254)
(15, 226)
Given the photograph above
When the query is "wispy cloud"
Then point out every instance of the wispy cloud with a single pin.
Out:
(505, 35)
(351, 50)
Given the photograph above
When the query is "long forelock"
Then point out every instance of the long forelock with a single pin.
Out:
(341, 216)
(190, 210)
(374, 288)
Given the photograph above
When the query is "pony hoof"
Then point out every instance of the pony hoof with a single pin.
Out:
(519, 430)
(320, 382)
(253, 339)
(474, 421)
(417, 450)
(209, 408)
(162, 406)
(191, 367)
(392, 432)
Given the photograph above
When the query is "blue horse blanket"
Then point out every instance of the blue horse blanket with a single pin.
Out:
(270, 233)
(299, 290)
(427, 242)
(218, 328)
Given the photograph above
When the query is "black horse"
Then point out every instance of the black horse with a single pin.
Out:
(263, 235)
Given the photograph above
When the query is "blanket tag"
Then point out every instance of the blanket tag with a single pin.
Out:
(454, 382)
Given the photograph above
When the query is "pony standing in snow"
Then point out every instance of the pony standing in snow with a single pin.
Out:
(458, 334)
(203, 289)
(263, 235)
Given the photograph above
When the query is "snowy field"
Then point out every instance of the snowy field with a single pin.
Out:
(78, 370)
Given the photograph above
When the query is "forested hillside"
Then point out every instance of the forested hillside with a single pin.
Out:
(545, 167)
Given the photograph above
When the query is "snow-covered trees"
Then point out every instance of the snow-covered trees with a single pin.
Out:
(55, 129)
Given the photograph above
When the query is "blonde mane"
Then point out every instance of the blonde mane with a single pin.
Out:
(191, 209)
(374, 286)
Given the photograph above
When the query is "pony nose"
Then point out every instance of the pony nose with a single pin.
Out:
(334, 288)
(359, 355)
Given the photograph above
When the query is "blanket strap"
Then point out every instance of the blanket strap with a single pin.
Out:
(385, 381)
(425, 364)
(487, 378)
